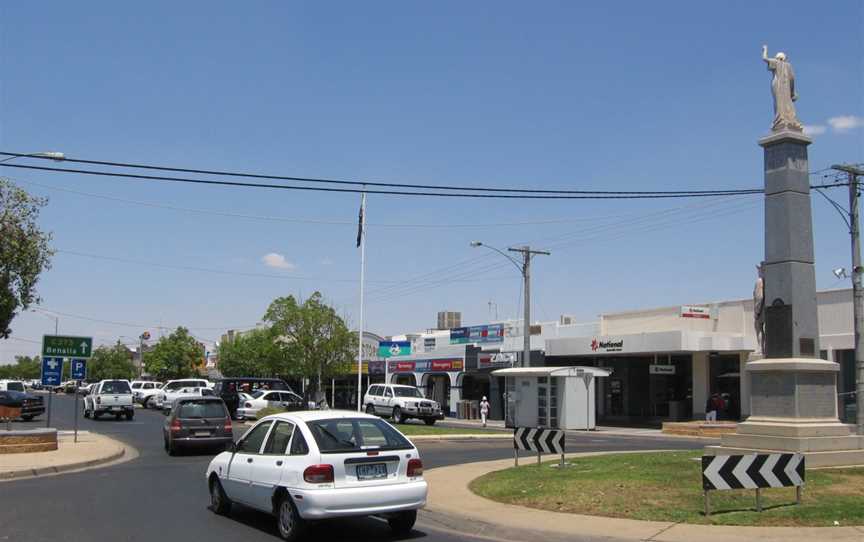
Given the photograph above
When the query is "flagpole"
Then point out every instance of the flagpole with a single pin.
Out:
(362, 241)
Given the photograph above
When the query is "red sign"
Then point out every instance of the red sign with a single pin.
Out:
(447, 365)
(404, 366)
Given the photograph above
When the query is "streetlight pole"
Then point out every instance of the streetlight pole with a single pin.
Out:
(857, 287)
(524, 268)
(56, 156)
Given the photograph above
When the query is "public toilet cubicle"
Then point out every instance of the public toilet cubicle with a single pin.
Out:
(552, 397)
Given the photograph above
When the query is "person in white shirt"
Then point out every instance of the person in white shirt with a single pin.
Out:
(484, 410)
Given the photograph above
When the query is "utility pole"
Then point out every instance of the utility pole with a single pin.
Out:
(527, 253)
(857, 287)
(524, 267)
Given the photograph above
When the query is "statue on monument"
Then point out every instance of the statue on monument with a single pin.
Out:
(759, 307)
(783, 90)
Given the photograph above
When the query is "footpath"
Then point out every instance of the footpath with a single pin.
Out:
(598, 431)
(452, 502)
(91, 450)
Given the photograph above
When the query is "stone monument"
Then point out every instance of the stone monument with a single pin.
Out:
(793, 403)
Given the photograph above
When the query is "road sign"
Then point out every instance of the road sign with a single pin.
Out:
(755, 471)
(52, 371)
(550, 441)
(67, 347)
(79, 369)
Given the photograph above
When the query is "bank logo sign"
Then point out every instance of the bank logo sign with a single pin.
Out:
(607, 346)
(388, 349)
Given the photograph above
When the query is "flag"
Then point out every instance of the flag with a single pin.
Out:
(361, 223)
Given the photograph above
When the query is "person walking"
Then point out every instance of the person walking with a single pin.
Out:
(711, 408)
(484, 410)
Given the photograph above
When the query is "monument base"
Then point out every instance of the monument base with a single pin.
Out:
(794, 409)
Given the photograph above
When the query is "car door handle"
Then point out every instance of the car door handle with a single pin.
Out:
(279, 463)
(249, 460)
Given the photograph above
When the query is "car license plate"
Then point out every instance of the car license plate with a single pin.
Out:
(201, 433)
(116, 408)
(372, 471)
(426, 410)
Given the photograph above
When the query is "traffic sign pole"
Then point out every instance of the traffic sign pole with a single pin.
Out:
(48, 417)
(78, 372)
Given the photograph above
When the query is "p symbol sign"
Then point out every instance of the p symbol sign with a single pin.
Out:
(79, 369)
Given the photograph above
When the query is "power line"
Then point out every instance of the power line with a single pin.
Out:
(134, 325)
(355, 183)
(593, 195)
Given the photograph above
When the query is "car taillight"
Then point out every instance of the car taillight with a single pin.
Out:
(415, 468)
(247, 405)
(227, 427)
(175, 425)
(319, 474)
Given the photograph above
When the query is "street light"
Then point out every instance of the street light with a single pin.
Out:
(51, 315)
(52, 155)
(524, 268)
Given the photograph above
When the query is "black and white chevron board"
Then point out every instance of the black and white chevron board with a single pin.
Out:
(547, 441)
(755, 471)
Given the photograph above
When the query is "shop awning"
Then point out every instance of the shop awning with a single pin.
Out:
(652, 342)
(553, 371)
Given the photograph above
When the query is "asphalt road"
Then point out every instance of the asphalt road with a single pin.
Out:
(162, 498)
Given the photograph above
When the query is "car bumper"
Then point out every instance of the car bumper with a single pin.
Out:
(247, 412)
(203, 442)
(417, 413)
(360, 501)
(115, 409)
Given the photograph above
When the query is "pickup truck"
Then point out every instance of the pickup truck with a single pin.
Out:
(110, 397)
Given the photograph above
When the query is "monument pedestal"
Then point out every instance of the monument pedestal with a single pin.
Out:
(794, 409)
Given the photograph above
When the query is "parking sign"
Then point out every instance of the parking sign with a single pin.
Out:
(79, 369)
(52, 371)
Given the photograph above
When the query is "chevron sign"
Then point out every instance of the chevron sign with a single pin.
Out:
(548, 441)
(757, 471)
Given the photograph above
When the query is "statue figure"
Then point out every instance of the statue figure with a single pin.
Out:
(759, 306)
(783, 90)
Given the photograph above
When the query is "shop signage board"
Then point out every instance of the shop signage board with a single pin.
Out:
(607, 345)
(692, 311)
(492, 333)
(661, 369)
(388, 349)
(66, 346)
(426, 365)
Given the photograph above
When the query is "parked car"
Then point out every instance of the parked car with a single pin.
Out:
(401, 403)
(311, 465)
(261, 399)
(228, 389)
(197, 422)
(110, 397)
(13, 394)
(150, 398)
(85, 388)
(165, 400)
(142, 390)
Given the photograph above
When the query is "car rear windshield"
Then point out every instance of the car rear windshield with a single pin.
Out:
(116, 386)
(345, 435)
(15, 386)
(407, 392)
(201, 409)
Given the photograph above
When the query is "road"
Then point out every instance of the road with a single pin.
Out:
(157, 497)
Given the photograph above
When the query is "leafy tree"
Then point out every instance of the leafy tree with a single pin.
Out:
(313, 339)
(24, 368)
(178, 355)
(110, 362)
(255, 353)
(24, 252)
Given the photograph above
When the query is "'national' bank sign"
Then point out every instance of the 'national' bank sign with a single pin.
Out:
(607, 346)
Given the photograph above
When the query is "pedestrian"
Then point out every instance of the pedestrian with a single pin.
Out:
(484, 410)
(711, 408)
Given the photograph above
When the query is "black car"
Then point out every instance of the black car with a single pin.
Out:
(197, 422)
(30, 405)
(228, 388)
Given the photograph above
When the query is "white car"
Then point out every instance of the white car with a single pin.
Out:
(144, 389)
(150, 398)
(166, 400)
(302, 466)
(109, 397)
(401, 403)
(269, 399)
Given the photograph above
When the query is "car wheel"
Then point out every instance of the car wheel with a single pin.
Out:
(288, 520)
(219, 501)
(430, 421)
(148, 403)
(26, 418)
(397, 415)
(172, 448)
(129, 416)
(118, 416)
(86, 413)
(403, 522)
(96, 415)
(370, 409)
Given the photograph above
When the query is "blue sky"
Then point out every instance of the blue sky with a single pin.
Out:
(603, 95)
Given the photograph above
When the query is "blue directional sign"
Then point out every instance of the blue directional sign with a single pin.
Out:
(52, 371)
(79, 369)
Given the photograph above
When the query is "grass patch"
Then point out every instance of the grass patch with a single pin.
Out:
(412, 429)
(668, 487)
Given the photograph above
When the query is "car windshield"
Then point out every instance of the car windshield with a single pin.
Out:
(176, 386)
(258, 394)
(116, 386)
(408, 392)
(201, 409)
(346, 435)
(15, 386)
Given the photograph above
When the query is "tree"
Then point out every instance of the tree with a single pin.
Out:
(178, 355)
(24, 368)
(24, 252)
(312, 336)
(254, 353)
(108, 362)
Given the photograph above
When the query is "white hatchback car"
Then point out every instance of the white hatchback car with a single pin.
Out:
(311, 465)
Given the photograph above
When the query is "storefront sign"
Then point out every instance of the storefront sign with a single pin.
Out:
(661, 369)
(690, 311)
(493, 333)
(611, 345)
(429, 344)
(426, 365)
(387, 349)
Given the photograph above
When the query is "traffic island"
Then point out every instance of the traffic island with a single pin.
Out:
(91, 450)
(22, 441)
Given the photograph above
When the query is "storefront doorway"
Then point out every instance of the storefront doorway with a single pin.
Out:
(438, 389)
(725, 379)
(404, 379)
